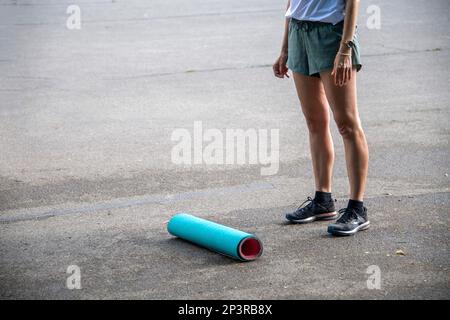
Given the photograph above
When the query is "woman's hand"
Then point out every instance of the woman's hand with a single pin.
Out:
(342, 70)
(280, 69)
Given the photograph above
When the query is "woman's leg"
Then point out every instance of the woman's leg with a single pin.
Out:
(315, 107)
(345, 111)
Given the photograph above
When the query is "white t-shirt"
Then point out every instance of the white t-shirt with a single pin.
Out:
(331, 11)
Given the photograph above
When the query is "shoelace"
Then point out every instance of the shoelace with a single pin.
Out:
(309, 199)
(346, 215)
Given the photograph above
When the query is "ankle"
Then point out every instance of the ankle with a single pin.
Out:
(355, 204)
(323, 197)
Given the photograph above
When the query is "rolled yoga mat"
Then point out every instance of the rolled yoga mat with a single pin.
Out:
(216, 237)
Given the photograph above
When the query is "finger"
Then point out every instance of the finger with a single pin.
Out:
(338, 76)
(339, 79)
(281, 69)
(274, 69)
(344, 76)
(347, 68)
(350, 71)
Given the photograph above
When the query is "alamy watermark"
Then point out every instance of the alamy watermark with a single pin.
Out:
(228, 147)
(74, 280)
(374, 19)
(73, 22)
(374, 279)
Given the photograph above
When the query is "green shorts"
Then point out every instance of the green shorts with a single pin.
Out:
(312, 46)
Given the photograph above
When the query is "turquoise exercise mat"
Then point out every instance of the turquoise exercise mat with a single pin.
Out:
(216, 237)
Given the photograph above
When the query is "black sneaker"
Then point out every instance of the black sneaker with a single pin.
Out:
(312, 211)
(350, 222)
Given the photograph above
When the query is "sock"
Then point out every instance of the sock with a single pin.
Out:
(355, 204)
(322, 197)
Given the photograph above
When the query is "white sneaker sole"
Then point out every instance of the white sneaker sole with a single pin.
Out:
(323, 216)
(361, 227)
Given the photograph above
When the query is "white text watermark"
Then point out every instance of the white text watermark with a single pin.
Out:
(230, 146)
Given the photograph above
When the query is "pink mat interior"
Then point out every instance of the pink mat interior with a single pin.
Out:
(250, 249)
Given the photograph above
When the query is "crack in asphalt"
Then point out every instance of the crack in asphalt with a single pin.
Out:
(40, 213)
(259, 66)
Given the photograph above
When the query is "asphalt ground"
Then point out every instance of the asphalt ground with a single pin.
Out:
(87, 178)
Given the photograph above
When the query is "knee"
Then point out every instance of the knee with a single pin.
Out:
(349, 128)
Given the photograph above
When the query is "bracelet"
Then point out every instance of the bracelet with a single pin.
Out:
(344, 54)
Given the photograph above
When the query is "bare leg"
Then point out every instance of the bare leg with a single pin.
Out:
(345, 111)
(315, 107)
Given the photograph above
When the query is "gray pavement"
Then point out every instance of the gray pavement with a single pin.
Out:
(86, 176)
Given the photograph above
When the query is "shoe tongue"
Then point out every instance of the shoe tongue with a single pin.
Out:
(348, 215)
